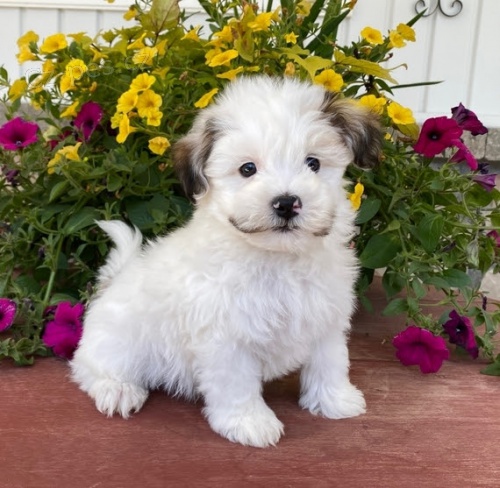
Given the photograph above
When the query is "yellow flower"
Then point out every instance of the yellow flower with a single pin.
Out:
(373, 103)
(355, 197)
(17, 89)
(71, 110)
(81, 38)
(231, 74)
(98, 55)
(223, 58)
(76, 68)
(93, 87)
(26, 39)
(145, 56)
(373, 36)
(225, 35)
(124, 129)
(330, 80)
(142, 82)
(193, 34)
(400, 115)
(66, 83)
(206, 99)
(209, 55)
(158, 145)
(397, 39)
(127, 101)
(131, 13)
(137, 44)
(69, 152)
(162, 47)
(148, 103)
(24, 55)
(53, 43)
(289, 69)
(291, 38)
(115, 120)
(303, 8)
(261, 22)
(406, 32)
(154, 118)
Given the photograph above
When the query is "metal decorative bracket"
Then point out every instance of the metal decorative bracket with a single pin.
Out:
(453, 9)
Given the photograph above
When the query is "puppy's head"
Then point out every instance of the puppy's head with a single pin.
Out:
(268, 158)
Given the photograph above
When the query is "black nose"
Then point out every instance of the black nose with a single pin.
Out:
(286, 206)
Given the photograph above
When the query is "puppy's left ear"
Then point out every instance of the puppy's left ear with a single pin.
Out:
(190, 156)
(359, 127)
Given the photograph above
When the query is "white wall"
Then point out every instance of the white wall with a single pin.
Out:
(461, 51)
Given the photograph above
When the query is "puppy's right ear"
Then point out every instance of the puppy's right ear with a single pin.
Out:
(190, 155)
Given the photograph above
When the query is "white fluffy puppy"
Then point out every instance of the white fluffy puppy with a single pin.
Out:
(259, 283)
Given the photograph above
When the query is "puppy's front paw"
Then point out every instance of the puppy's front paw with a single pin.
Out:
(335, 404)
(253, 425)
(113, 396)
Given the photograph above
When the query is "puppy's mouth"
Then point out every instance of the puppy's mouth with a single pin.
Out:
(281, 228)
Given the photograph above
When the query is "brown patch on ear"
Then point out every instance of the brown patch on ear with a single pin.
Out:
(190, 155)
(359, 127)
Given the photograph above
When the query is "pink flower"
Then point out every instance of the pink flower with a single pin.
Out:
(437, 134)
(468, 120)
(464, 154)
(8, 310)
(88, 119)
(461, 333)
(18, 133)
(495, 236)
(64, 332)
(419, 347)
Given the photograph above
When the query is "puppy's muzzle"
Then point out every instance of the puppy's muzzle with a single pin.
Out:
(287, 206)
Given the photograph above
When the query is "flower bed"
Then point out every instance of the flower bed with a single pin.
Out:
(114, 104)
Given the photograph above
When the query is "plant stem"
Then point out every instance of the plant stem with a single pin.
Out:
(53, 272)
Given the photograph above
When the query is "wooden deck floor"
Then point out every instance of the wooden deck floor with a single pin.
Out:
(436, 431)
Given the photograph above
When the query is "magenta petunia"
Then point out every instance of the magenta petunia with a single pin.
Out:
(437, 134)
(461, 333)
(63, 333)
(493, 234)
(464, 154)
(468, 120)
(8, 310)
(18, 133)
(419, 347)
(488, 182)
(88, 119)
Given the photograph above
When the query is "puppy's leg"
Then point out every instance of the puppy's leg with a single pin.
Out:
(231, 383)
(108, 379)
(325, 386)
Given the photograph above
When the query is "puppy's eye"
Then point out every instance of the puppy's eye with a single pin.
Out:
(248, 169)
(313, 163)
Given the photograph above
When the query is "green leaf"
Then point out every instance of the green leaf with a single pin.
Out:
(380, 251)
(493, 369)
(57, 190)
(312, 64)
(456, 278)
(363, 66)
(368, 210)
(392, 282)
(396, 307)
(81, 219)
(429, 231)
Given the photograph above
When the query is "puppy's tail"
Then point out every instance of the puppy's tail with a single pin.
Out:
(128, 243)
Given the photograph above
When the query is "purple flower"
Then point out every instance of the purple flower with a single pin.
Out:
(18, 133)
(468, 120)
(461, 333)
(419, 347)
(464, 154)
(88, 118)
(437, 134)
(64, 332)
(10, 175)
(8, 310)
(495, 236)
(488, 182)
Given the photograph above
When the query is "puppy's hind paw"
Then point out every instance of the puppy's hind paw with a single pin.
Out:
(113, 396)
(335, 404)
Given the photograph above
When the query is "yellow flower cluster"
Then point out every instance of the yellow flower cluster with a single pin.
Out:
(139, 100)
(70, 153)
(23, 43)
